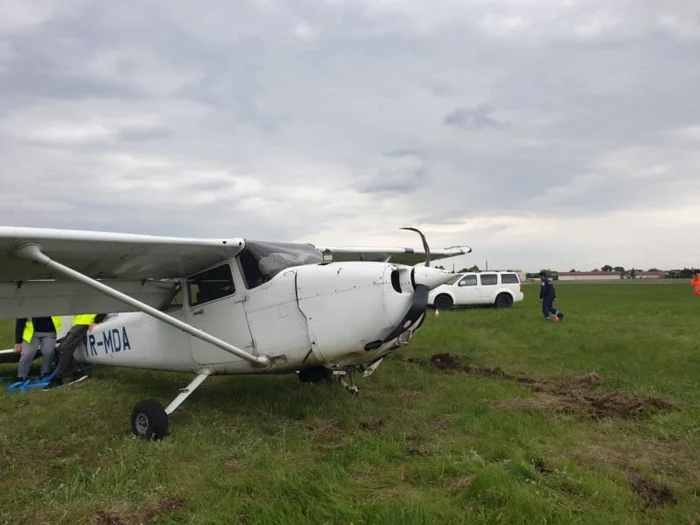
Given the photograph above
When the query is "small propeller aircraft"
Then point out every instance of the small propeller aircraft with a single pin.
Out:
(220, 306)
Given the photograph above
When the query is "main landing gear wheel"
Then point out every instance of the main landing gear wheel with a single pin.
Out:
(149, 420)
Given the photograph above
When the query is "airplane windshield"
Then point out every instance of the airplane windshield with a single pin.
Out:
(261, 261)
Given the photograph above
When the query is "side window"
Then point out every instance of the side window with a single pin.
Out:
(509, 278)
(489, 279)
(469, 280)
(174, 302)
(210, 285)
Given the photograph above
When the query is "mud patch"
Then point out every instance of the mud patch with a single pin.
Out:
(624, 404)
(46, 451)
(540, 466)
(373, 425)
(565, 401)
(575, 397)
(653, 494)
(446, 361)
(235, 467)
(146, 515)
(416, 452)
(443, 423)
(407, 393)
(323, 428)
(461, 484)
(163, 507)
(108, 517)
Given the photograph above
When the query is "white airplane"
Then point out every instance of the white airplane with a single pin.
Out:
(219, 306)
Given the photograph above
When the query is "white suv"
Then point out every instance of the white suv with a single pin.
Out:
(500, 289)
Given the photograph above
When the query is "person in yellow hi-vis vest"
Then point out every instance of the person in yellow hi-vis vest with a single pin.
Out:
(82, 324)
(32, 334)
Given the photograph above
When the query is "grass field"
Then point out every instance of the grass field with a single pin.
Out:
(592, 420)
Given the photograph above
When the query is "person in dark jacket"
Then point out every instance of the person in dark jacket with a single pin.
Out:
(82, 325)
(547, 297)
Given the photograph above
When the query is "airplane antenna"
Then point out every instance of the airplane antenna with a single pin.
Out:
(423, 239)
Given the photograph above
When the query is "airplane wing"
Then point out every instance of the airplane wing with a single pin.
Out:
(144, 267)
(137, 265)
(407, 256)
(112, 255)
(401, 255)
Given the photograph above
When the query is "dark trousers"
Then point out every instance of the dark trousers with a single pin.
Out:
(67, 347)
(548, 307)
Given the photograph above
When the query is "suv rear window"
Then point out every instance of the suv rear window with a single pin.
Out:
(489, 279)
(509, 278)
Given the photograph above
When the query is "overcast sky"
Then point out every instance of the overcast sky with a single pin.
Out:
(561, 134)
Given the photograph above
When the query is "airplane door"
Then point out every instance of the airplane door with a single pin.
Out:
(214, 306)
(468, 290)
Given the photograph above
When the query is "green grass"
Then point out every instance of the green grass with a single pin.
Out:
(419, 445)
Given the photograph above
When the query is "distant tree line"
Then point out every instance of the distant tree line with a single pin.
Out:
(463, 270)
(685, 273)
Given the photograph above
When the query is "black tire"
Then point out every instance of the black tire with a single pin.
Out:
(504, 300)
(443, 302)
(315, 374)
(149, 420)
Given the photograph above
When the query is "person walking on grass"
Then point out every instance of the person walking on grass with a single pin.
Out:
(547, 297)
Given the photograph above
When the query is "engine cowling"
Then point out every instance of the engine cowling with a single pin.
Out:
(353, 308)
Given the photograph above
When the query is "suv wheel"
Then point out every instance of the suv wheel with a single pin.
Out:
(504, 300)
(443, 302)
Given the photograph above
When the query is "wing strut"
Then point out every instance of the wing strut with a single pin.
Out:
(33, 252)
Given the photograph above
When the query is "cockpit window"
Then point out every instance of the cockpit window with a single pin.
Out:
(261, 261)
(210, 285)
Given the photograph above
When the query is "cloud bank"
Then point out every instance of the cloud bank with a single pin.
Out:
(542, 136)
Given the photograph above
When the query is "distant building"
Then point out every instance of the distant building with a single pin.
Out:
(589, 276)
(650, 275)
(608, 276)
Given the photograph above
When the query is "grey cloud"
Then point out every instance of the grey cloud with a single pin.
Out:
(368, 100)
(145, 135)
(612, 94)
(476, 118)
(440, 88)
(29, 81)
(394, 183)
(54, 66)
(405, 152)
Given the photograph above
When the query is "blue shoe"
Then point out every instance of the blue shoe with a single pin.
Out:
(19, 385)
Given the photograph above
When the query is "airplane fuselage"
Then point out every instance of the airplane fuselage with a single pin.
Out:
(331, 315)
